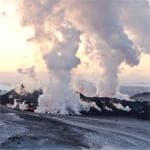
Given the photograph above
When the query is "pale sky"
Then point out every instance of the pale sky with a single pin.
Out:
(16, 52)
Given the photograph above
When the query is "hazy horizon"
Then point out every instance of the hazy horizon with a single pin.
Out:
(14, 78)
(87, 46)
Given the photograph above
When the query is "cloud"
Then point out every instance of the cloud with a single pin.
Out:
(105, 34)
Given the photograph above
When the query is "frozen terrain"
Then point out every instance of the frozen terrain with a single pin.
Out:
(25, 130)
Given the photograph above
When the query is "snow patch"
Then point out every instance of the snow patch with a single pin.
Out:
(121, 107)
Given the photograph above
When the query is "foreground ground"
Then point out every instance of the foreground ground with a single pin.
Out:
(25, 130)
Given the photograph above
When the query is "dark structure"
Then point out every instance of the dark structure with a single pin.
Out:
(30, 99)
(145, 96)
(101, 106)
(114, 107)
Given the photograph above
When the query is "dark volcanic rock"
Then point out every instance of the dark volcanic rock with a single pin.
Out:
(20, 130)
(115, 107)
(145, 96)
(30, 99)
(98, 105)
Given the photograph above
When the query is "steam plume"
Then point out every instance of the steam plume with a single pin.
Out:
(102, 34)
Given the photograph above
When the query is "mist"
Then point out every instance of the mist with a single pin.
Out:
(83, 45)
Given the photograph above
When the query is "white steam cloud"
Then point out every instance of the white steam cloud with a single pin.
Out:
(29, 78)
(83, 43)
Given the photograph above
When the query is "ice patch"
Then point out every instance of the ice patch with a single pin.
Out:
(21, 106)
(94, 105)
(107, 108)
(119, 106)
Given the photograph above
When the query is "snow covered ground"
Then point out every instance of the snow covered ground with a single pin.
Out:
(28, 131)
(25, 130)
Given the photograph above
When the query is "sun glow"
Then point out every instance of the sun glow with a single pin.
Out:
(17, 51)
(14, 48)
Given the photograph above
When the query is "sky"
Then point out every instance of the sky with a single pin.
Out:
(17, 52)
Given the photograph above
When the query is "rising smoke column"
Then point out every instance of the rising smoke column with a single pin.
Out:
(59, 97)
(103, 29)
(101, 19)
(58, 42)
(136, 20)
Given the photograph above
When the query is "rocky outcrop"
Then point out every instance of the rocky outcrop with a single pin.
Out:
(145, 96)
(115, 107)
(101, 106)
(12, 98)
